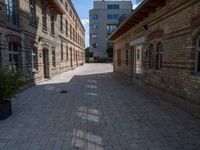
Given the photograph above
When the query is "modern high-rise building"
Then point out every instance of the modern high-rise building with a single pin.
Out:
(104, 19)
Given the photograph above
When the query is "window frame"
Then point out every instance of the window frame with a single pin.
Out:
(54, 58)
(127, 59)
(52, 25)
(32, 8)
(197, 60)
(34, 59)
(44, 17)
(158, 56)
(151, 57)
(13, 65)
(61, 52)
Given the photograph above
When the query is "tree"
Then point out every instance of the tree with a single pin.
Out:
(110, 52)
(88, 54)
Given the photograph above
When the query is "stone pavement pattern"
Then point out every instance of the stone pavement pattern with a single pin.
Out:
(100, 111)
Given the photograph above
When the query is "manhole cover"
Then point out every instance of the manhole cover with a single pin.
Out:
(63, 92)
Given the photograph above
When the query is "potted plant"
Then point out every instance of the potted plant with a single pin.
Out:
(10, 83)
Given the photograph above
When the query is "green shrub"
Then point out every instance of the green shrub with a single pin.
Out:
(10, 84)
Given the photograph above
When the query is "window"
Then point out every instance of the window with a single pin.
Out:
(52, 25)
(66, 24)
(159, 56)
(112, 16)
(198, 56)
(111, 28)
(34, 60)
(127, 57)
(32, 11)
(44, 17)
(61, 23)
(67, 54)
(119, 57)
(94, 45)
(0, 53)
(93, 36)
(93, 26)
(53, 58)
(61, 47)
(12, 13)
(94, 17)
(112, 6)
(66, 6)
(14, 55)
(151, 56)
(70, 31)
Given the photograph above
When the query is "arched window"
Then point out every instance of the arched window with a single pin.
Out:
(159, 53)
(198, 55)
(151, 56)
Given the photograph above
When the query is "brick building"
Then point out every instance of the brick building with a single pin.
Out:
(41, 37)
(159, 45)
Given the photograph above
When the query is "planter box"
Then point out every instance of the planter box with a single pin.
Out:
(5, 110)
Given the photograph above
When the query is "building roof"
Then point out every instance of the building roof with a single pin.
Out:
(138, 15)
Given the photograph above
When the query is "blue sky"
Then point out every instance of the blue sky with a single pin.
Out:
(83, 7)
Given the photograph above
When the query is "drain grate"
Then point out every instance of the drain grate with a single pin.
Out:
(63, 92)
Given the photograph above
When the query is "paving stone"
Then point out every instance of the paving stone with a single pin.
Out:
(100, 111)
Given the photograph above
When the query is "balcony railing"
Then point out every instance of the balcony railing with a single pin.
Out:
(12, 16)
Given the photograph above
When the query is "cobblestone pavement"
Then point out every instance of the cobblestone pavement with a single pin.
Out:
(100, 111)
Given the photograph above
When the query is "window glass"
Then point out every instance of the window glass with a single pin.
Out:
(32, 10)
(198, 68)
(159, 56)
(112, 16)
(53, 58)
(14, 56)
(151, 56)
(112, 6)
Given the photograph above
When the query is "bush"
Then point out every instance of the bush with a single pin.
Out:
(10, 84)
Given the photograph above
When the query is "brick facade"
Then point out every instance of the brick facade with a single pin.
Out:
(176, 26)
(33, 36)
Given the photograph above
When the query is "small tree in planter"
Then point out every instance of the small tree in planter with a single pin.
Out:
(10, 84)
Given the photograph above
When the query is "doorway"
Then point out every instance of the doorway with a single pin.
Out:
(46, 63)
(137, 62)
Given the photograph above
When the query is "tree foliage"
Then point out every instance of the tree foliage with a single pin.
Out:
(10, 83)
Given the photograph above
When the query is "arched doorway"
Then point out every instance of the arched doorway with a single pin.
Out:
(46, 63)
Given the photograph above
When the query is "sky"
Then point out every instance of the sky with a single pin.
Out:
(83, 7)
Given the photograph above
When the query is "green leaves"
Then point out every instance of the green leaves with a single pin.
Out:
(10, 83)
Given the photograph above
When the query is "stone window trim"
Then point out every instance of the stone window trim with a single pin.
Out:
(13, 39)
